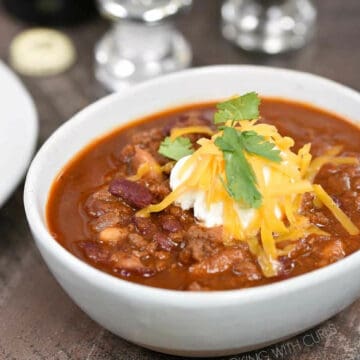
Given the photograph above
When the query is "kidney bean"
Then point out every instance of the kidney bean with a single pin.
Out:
(134, 194)
(169, 223)
(164, 242)
(95, 252)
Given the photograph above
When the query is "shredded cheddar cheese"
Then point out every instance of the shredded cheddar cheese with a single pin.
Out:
(328, 157)
(282, 186)
(345, 221)
(176, 132)
(146, 168)
(142, 170)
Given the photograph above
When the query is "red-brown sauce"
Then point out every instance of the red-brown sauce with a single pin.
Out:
(170, 250)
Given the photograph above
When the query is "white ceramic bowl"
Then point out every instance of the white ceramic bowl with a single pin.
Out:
(190, 323)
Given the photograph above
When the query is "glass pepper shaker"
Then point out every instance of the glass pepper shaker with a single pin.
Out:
(268, 26)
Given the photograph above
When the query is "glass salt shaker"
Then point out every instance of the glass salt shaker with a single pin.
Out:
(143, 42)
(268, 26)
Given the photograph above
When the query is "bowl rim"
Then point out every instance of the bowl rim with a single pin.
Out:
(98, 278)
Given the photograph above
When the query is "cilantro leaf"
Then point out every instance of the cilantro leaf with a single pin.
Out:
(241, 181)
(256, 144)
(176, 149)
(245, 107)
(240, 177)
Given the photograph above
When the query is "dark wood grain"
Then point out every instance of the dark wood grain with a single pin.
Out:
(37, 319)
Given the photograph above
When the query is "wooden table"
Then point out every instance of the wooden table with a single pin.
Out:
(37, 319)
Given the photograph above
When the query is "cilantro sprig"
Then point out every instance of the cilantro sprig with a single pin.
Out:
(176, 149)
(240, 177)
(240, 182)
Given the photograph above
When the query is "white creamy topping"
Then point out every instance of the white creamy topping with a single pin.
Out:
(213, 215)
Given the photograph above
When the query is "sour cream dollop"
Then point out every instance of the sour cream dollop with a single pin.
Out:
(212, 215)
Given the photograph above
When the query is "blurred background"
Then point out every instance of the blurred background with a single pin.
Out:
(70, 53)
(330, 47)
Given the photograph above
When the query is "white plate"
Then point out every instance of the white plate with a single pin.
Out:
(18, 131)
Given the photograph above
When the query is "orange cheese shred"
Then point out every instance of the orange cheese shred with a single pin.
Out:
(344, 220)
(176, 132)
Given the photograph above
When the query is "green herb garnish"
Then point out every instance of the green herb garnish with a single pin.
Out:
(245, 107)
(176, 149)
(240, 182)
(256, 144)
(240, 177)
